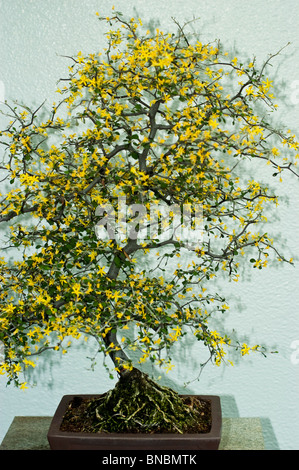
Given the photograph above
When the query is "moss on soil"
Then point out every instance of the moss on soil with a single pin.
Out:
(138, 405)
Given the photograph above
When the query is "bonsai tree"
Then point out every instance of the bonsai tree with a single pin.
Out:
(126, 202)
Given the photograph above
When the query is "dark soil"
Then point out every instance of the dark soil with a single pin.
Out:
(78, 417)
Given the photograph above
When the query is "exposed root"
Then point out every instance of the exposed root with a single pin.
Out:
(138, 404)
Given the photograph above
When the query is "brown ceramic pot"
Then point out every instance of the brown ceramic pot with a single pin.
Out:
(60, 440)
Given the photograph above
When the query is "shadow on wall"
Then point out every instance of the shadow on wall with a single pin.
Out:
(269, 435)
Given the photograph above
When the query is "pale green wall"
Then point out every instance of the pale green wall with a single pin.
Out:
(33, 35)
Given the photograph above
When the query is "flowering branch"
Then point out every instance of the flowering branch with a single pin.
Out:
(161, 120)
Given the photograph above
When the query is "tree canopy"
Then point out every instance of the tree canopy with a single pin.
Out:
(156, 120)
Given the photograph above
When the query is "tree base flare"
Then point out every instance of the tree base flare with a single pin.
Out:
(138, 405)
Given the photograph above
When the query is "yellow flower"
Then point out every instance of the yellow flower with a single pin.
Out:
(169, 367)
(17, 368)
(249, 90)
(76, 289)
(245, 349)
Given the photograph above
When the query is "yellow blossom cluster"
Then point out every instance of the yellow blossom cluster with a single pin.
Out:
(156, 118)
